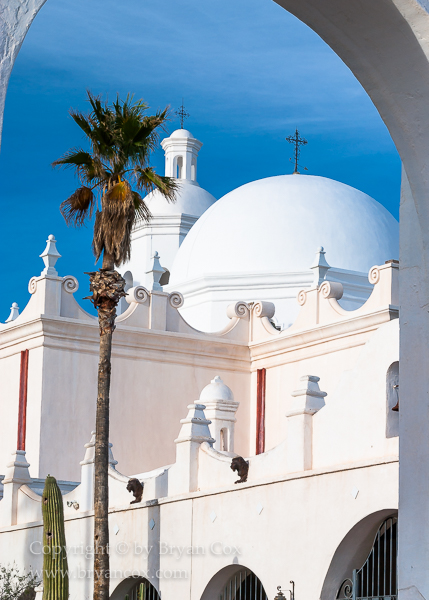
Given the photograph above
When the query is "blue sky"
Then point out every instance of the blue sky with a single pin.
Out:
(249, 73)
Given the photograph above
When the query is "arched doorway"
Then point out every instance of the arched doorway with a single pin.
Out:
(377, 577)
(235, 582)
(135, 588)
(364, 560)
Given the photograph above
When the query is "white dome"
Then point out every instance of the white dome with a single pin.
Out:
(216, 390)
(191, 199)
(182, 133)
(276, 224)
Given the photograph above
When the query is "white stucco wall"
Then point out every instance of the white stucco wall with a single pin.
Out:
(160, 365)
(299, 518)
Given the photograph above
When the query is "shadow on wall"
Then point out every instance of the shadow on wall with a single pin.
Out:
(352, 552)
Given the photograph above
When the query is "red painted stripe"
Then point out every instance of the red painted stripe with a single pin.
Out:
(22, 414)
(260, 411)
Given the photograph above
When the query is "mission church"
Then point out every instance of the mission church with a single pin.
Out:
(260, 329)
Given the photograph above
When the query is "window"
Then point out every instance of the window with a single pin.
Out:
(224, 446)
(392, 400)
(179, 171)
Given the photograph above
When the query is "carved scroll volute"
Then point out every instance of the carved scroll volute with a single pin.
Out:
(70, 284)
(32, 285)
(331, 289)
(138, 295)
(238, 310)
(264, 309)
(301, 297)
(374, 275)
(176, 299)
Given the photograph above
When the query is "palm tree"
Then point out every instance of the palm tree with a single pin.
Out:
(112, 175)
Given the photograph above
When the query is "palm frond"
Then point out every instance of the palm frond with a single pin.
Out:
(142, 210)
(78, 207)
(121, 137)
(88, 168)
(73, 158)
(148, 180)
(82, 120)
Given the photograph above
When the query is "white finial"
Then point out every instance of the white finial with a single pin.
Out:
(156, 273)
(310, 398)
(90, 451)
(195, 427)
(17, 469)
(112, 461)
(50, 255)
(217, 391)
(89, 457)
(320, 267)
(14, 312)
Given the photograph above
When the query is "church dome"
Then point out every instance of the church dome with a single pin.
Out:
(276, 224)
(191, 199)
(182, 133)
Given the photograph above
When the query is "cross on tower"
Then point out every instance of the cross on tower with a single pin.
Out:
(182, 114)
(295, 139)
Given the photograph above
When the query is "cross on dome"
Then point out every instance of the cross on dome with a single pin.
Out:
(295, 139)
(182, 114)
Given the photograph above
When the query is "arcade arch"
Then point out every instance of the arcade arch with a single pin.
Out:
(136, 588)
(352, 552)
(234, 582)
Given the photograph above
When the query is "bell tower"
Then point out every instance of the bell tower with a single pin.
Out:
(170, 222)
(181, 153)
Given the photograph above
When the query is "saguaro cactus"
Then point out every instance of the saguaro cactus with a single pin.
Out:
(139, 594)
(55, 568)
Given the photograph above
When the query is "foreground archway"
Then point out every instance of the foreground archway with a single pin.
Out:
(386, 45)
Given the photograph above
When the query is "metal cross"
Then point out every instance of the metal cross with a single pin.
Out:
(182, 114)
(295, 139)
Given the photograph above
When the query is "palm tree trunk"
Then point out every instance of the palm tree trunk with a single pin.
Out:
(107, 288)
(101, 481)
(108, 262)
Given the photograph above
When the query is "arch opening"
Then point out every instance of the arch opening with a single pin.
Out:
(235, 582)
(194, 169)
(179, 167)
(352, 553)
(224, 440)
(136, 588)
